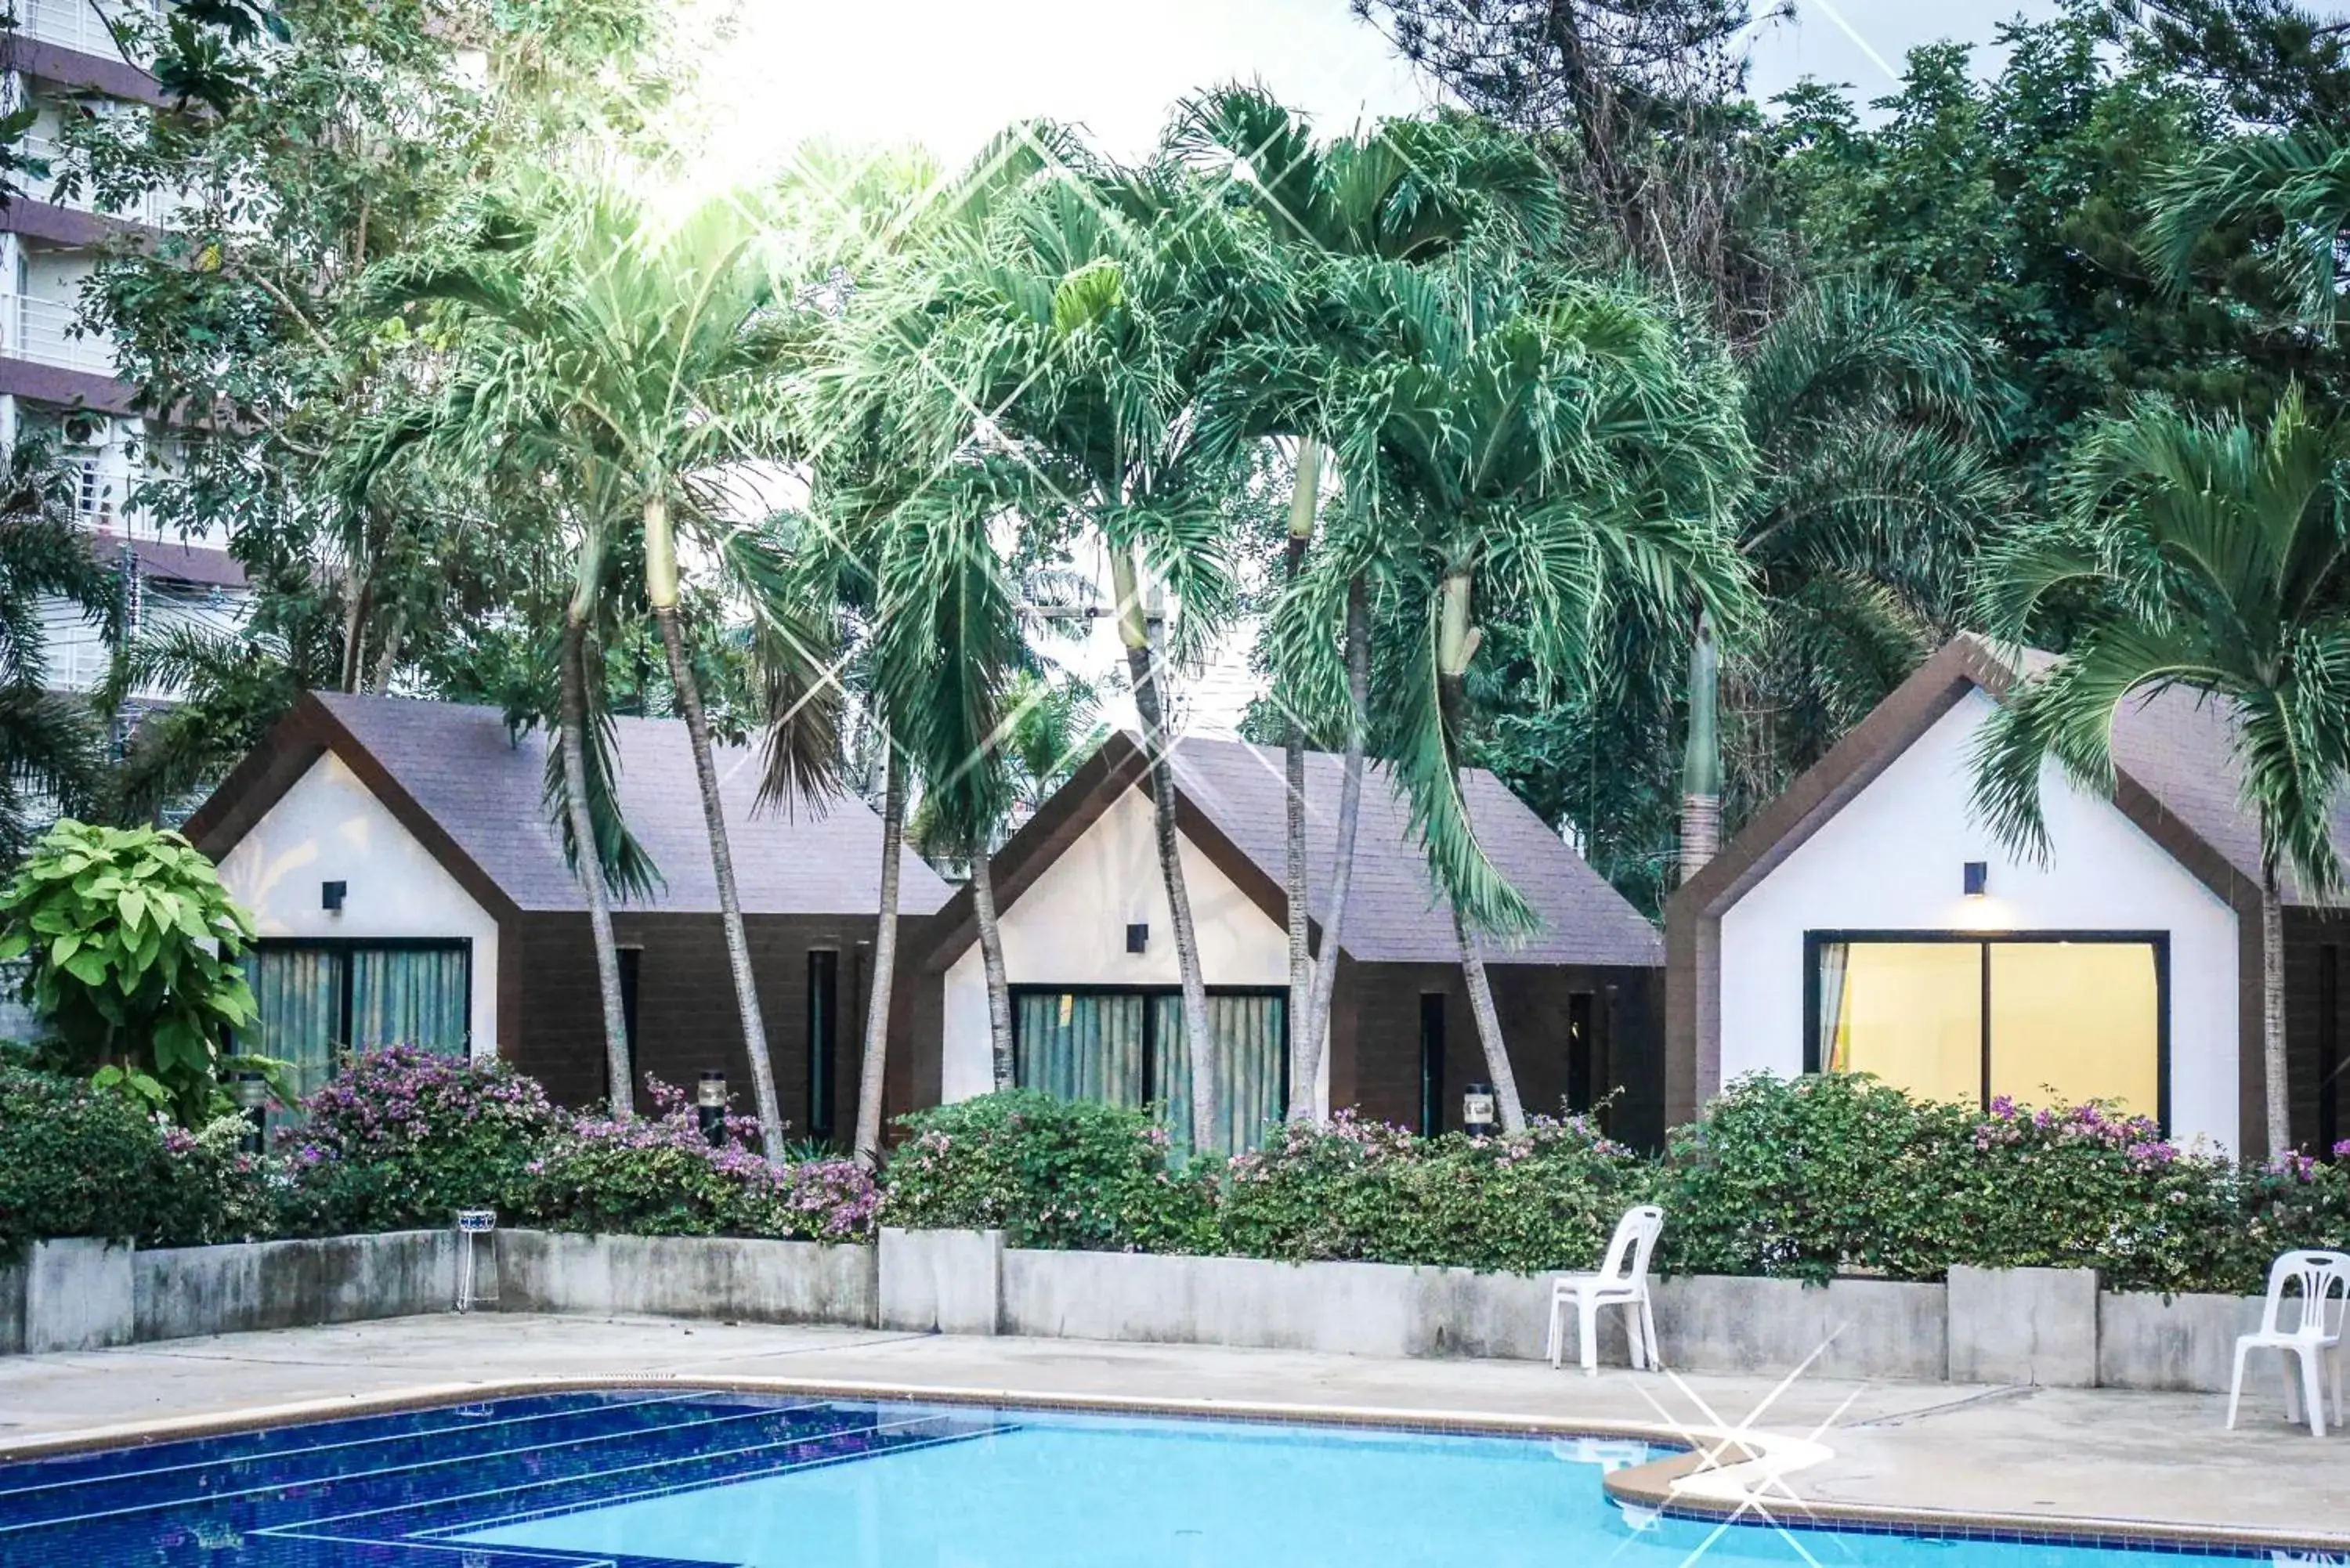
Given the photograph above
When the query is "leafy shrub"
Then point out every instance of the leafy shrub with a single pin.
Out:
(133, 945)
(78, 1162)
(406, 1137)
(1048, 1173)
(1546, 1198)
(1813, 1176)
(659, 1175)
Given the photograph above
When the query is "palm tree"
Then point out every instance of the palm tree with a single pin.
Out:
(1870, 497)
(1539, 450)
(51, 751)
(1067, 335)
(646, 348)
(939, 639)
(2206, 553)
(1353, 218)
(2291, 190)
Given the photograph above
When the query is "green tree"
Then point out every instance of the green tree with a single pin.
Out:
(1353, 219)
(635, 358)
(134, 948)
(2206, 553)
(1871, 495)
(1537, 450)
(1083, 314)
(52, 753)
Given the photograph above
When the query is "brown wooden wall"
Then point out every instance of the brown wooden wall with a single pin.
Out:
(550, 1022)
(1376, 1057)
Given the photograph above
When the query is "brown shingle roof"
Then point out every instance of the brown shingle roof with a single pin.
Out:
(483, 788)
(1393, 915)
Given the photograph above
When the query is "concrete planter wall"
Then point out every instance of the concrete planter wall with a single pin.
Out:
(741, 1279)
(2050, 1327)
(178, 1293)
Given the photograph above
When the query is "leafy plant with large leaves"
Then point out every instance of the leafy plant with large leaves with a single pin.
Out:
(133, 946)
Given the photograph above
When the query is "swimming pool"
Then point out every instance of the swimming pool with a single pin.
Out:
(685, 1479)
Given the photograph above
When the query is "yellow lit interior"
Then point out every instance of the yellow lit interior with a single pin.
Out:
(1912, 1014)
(2073, 1021)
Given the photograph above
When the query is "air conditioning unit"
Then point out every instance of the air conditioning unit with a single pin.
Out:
(89, 430)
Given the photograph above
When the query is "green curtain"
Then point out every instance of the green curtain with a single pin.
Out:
(1250, 1059)
(1080, 1047)
(409, 996)
(299, 992)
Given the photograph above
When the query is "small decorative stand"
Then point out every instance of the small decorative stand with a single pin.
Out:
(471, 1223)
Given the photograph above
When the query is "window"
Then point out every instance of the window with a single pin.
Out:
(1432, 1062)
(822, 1037)
(1128, 1048)
(318, 998)
(2039, 1018)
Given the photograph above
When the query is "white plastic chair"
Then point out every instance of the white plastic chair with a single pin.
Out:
(1622, 1281)
(2315, 1337)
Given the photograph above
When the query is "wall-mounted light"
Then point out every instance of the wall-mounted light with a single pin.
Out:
(1137, 938)
(332, 895)
(1977, 878)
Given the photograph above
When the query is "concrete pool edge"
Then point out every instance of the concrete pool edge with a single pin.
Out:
(1712, 1474)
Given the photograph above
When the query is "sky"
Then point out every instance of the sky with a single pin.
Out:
(948, 74)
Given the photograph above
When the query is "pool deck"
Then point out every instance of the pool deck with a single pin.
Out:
(1928, 1449)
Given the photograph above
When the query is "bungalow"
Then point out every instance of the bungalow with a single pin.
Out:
(1869, 921)
(397, 861)
(1096, 1009)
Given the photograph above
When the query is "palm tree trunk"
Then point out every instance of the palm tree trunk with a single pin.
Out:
(2273, 1065)
(1302, 501)
(660, 591)
(872, 1066)
(1489, 1030)
(991, 962)
(362, 594)
(1701, 760)
(1134, 629)
(1342, 875)
(590, 867)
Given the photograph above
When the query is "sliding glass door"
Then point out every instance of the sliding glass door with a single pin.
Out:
(1129, 1048)
(2053, 1018)
(317, 999)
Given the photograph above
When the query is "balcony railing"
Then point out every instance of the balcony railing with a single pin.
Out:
(44, 334)
(154, 210)
(78, 24)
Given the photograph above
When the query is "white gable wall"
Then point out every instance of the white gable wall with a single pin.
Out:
(1892, 859)
(331, 827)
(1069, 929)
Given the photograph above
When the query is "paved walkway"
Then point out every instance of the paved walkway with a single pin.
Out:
(2158, 1458)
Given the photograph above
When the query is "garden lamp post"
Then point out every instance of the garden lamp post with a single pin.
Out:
(1478, 1113)
(250, 1091)
(709, 1107)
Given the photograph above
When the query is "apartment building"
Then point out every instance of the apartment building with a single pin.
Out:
(58, 382)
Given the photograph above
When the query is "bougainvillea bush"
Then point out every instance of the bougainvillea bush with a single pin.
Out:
(1807, 1179)
(405, 1136)
(658, 1175)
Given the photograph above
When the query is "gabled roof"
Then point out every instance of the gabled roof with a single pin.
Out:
(2176, 777)
(471, 793)
(1230, 799)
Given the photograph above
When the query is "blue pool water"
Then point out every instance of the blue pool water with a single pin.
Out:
(674, 1479)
